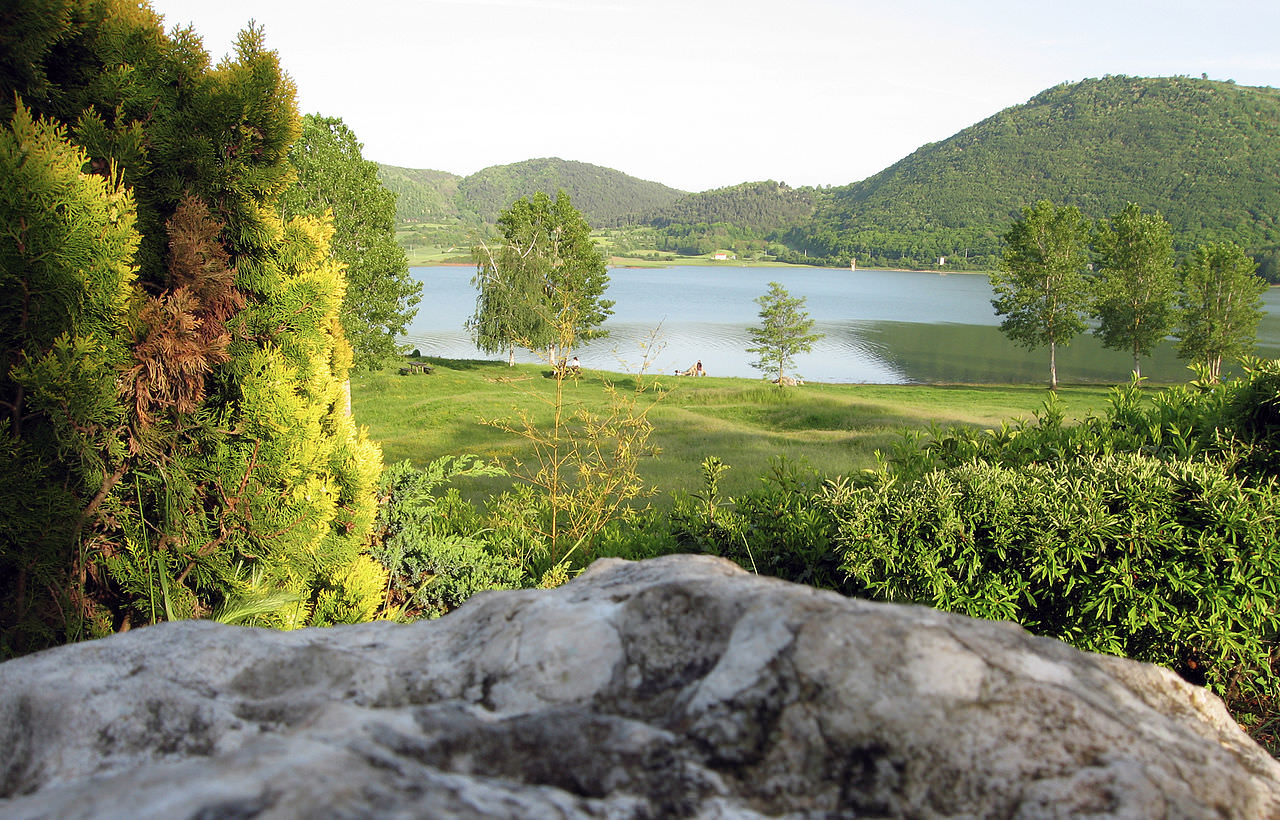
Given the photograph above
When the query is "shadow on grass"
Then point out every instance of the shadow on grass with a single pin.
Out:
(463, 364)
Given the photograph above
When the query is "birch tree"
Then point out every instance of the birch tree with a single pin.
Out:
(1040, 287)
(1219, 305)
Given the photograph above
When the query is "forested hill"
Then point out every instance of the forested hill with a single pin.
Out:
(1204, 153)
(755, 206)
(422, 195)
(604, 196)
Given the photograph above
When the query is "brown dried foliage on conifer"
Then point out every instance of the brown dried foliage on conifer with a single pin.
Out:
(183, 332)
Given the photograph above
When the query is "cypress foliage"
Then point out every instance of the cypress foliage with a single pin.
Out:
(222, 466)
(65, 288)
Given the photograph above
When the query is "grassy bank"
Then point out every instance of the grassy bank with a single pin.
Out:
(834, 428)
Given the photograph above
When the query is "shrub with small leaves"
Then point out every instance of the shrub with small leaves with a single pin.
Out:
(433, 565)
(1167, 562)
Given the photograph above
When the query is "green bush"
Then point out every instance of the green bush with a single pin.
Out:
(1151, 531)
(432, 544)
(776, 529)
(1173, 562)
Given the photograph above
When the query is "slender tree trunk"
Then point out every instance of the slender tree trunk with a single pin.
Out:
(1137, 363)
(511, 357)
(1053, 366)
(554, 490)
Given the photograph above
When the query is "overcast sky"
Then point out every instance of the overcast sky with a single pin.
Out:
(701, 94)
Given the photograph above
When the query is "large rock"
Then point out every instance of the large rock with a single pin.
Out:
(675, 687)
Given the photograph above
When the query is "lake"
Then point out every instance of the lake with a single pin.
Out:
(886, 327)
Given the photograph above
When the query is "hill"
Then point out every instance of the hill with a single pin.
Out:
(604, 196)
(760, 207)
(422, 195)
(741, 218)
(1204, 153)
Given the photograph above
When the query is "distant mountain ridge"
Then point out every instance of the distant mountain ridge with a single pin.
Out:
(606, 197)
(1204, 153)
(422, 195)
(754, 206)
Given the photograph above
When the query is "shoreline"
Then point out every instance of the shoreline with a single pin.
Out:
(615, 263)
(763, 381)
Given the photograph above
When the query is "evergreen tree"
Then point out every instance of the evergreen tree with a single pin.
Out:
(1219, 305)
(235, 472)
(1040, 289)
(333, 177)
(543, 286)
(1134, 290)
(66, 283)
(784, 331)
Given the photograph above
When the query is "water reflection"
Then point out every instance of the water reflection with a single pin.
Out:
(881, 327)
(981, 354)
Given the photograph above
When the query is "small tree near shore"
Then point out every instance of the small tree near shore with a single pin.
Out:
(542, 287)
(1040, 289)
(784, 331)
(1134, 291)
(1219, 306)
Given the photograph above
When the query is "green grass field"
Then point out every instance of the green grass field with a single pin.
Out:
(834, 428)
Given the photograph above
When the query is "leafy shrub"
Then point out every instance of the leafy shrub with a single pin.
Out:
(643, 534)
(1150, 531)
(433, 564)
(1168, 562)
(777, 529)
(1251, 411)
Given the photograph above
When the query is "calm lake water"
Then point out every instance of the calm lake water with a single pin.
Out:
(881, 326)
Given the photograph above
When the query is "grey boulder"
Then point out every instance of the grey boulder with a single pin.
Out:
(677, 687)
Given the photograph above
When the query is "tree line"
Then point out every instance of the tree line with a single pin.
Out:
(1046, 287)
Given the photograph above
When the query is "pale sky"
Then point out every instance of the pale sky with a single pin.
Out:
(700, 94)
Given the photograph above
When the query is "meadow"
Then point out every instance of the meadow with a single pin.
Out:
(834, 428)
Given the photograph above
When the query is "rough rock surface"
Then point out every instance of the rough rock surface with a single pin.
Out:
(675, 687)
